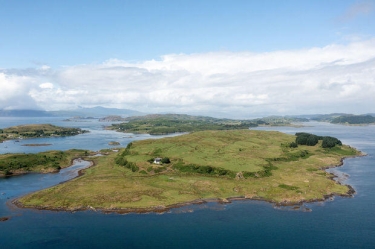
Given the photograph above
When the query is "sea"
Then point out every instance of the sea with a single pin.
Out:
(339, 222)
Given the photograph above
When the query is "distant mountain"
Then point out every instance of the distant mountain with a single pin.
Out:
(24, 113)
(97, 111)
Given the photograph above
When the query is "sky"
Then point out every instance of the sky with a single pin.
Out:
(227, 58)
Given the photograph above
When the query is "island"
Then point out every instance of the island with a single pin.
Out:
(158, 174)
(79, 119)
(162, 124)
(114, 143)
(36, 131)
(112, 118)
(344, 118)
(354, 119)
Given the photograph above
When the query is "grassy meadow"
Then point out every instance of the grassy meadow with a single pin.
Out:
(203, 165)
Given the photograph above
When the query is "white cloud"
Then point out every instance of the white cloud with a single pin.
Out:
(45, 67)
(14, 92)
(46, 85)
(335, 78)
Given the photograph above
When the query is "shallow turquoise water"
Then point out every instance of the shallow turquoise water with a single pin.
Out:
(339, 223)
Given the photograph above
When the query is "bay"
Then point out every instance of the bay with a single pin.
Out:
(337, 223)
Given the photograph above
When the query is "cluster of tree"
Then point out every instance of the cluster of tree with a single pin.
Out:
(354, 119)
(122, 161)
(304, 138)
(329, 142)
(307, 139)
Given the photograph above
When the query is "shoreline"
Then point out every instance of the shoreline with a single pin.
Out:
(24, 172)
(162, 209)
(15, 203)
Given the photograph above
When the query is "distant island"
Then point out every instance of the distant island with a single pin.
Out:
(354, 119)
(112, 118)
(155, 175)
(36, 131)
(79, 119)
(161, 124)
(343, 118)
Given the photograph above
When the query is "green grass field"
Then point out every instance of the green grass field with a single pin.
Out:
(296, 173)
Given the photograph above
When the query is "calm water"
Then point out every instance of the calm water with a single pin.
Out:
(340, 223)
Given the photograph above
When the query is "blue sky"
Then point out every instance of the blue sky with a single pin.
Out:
(48, 42)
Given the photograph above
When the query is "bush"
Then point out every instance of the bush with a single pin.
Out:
(7, 172)
(165, 160)
(293, 145)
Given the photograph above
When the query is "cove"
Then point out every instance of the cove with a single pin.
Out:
(15, 186)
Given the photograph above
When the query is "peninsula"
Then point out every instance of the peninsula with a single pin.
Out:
(43, 162)
(158, 174)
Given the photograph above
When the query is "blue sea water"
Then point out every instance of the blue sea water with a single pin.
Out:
(337, 223)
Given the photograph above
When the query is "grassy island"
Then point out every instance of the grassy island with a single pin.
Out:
(37, 130)
(160, 124)
(159, 174)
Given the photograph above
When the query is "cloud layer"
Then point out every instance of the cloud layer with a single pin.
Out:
(335, 78)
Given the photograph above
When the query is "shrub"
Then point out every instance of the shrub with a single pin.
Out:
(293, 145)
(165, 160)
